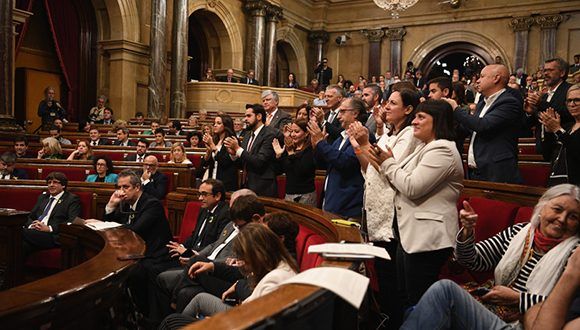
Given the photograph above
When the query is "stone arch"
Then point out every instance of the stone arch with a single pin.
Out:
(492, 47)
(231, 45)
(297, 55)
(123, 20)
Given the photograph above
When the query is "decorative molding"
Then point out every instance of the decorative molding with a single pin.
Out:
(318, 36)
(256, 7)
(274, 13)
(373, 35)
(550, 21)
(521, 23)
(396, 33)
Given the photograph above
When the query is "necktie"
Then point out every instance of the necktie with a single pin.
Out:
(94, 143)
(200, 235)
(331, 117)
(139, 159)
(46, 209)
(268, 119)
(251, 142)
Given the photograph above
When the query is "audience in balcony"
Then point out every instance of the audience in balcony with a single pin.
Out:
(229, 77)
(208, 76)
(249, 79)
(103, 167)
(292, 82)
(83, 151)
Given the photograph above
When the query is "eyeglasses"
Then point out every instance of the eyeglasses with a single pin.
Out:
(205, 193)
(574, 101)
(342, 111)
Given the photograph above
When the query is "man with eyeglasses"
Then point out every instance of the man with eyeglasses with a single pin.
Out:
(52, 208)
(154, 182)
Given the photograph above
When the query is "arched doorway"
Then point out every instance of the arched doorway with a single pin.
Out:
(209, 44)
(463, 56)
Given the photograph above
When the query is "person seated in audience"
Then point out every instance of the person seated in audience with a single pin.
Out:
(55, 132)
(239, 128)
(123, 138)
(320, 100)
(96, 139)
(51, 149)
(562, 140)
(154, 126)
(97, 113)
(291, 83)
(217, 163)
(83, 151)
(229, 77)
(160, 139)
(174, 127)
(527, 259)
(202, 115)
(49, 108)
(303, 112)
(250, 79)
(178, 155)
(427, 184)
(208, 75)
(512, 82)
(139, 119)
(107, 117)
(297, 161)
(343, 188)
(103, 167)
(194, 139)
(140, 153)
(314, 86)
(21, 147)
(8, 171)
(192, 122)
(57, 122)
(54, 207)
(119, 123)
(266, 263)
(153, 182)
(84, 127)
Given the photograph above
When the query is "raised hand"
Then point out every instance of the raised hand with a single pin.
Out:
(279, 150)
(316, 135)
(550, 119)
(208, 140)
(468, 218)
(360, 133)
(378, 155)
(116, 198)
(232, 144)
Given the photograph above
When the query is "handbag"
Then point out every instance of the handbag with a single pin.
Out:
(559, 171)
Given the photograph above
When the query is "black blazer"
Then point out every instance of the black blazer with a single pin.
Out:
(102, 142)
(227, 171)
(133, 157)
(67, 208)
(157, 185)
(129, 143)
(213, 227)
(496, 144)
(333, 129)
(260, 163)
(149, 222)
(225, 79)
(253, 82)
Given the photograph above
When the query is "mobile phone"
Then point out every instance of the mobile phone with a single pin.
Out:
(231, 301)
(480, 291)
(131, 257)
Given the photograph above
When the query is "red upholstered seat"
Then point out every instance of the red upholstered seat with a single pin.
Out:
(527, 149)
(20, 199)
(50, 259)
(281, 180)
(535, 174)
(195, 159)
(170, 181)
(113, 155)
(305, 238)
(524, 214)
(72, 173)
(86, 202)
(189, 220)
(319, 188)
(493, 216)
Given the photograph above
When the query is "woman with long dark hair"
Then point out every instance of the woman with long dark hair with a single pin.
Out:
(217, 163)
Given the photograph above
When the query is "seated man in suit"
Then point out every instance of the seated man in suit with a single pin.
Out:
(107, 117)
(176, 284)
(96, 139)
(21, 147)
(344, 185)
(249, 79)
(141, 152)
(123, 138)
(51, 209)
(154, 182)
(256, 153)
(229, 77)
(7, 169)
(213, 217)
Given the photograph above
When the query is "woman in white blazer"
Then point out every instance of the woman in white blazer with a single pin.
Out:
(427, 183)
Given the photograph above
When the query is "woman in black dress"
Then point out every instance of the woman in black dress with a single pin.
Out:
(217, 163)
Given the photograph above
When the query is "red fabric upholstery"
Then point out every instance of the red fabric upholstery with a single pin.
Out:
(113, 155)
(195, 159)
(86, 202)
(72, 173)
(526, 149)
(281, 180)
(535, 174)
(50, 259)
(170, 181)
(189, 220)
(20, 199)
(311, 260)
(524, 214)
(494, 216)
(319, 187)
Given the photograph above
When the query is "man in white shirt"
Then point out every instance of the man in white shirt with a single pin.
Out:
(275, 118)
(96, 139)
(334, 95)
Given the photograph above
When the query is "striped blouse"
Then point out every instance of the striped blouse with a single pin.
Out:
(485, 256)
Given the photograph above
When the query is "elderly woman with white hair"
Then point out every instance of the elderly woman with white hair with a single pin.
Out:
(527, 258)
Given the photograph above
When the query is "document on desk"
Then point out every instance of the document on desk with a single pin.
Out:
(348, 285)
(102, 225)
(349, 251)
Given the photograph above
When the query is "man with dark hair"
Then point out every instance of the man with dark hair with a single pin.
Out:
(160, 139)
(212, 219)
(323, 72)
(174, 127)
(371, 95)
(139, 119)
(344, 185)
(154, 182)
(256, 153)
(21, 147)
(123, 138)
(51, 209)
(576, 66)
(154, 126)
(141, 152)
(55, 133)
(107, 117)
(249, 79)
(333, 95)
(7, 170)
(96, 139)
(439, 88)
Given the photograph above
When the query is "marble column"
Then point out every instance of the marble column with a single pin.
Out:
(178, 59)
(7, 57)
(396, 35)
(157, 62)
(521, 27)
(273, 16)
(548, 25)
(319, 38)
(375, 37)
(256, 9)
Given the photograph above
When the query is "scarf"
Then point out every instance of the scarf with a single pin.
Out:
(544, 243)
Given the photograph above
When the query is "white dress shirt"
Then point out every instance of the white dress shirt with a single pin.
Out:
(488, 103)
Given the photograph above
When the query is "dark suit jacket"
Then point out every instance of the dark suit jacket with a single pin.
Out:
(227, 171)
(333, 129)
(226, 252)
(149, 222)
(129, 143)
(214, 225)
(280, 119)
(253, 82)
(18, 173)
(102, 142)
(133, 157)
(225, 79)
(496, 144)
(66, 210)
(157, 185)
(260, 163)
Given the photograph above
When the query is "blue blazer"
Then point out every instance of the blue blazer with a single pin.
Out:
(110, 178)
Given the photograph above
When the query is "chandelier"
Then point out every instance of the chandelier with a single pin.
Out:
(394, 6)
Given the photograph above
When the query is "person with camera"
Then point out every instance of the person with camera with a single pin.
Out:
(49, 109)
(323, 72)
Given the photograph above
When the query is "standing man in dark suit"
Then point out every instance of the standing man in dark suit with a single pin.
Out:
(213, 217)
(141, 152)
(344, 185)
(275, 118)
(256, 153)
(494, 129)
(123, 138)
(52, 209)
(154, 182)
(229, 77)
(333, 95)
(323, 73)
(96, 139)
(555, 74)
(249, 79)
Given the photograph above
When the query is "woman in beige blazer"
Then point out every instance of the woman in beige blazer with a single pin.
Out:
(427, 183)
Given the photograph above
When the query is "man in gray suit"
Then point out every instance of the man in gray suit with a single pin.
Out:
(372, 96)
(275, 118)
(177, 286)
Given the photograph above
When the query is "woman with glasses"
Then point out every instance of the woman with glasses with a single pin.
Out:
(104, 168)
(563, 144)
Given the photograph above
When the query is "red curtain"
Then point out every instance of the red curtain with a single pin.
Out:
(66, 37)
(22, 28)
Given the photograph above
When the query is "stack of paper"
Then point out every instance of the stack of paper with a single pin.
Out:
(349, 251)
(102, 225)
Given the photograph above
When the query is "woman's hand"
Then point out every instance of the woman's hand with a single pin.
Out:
(208, 140)
(502, 295)
(359, 133)
(229, 291)
(73, 154)
(550, 119)
(40, 154)
(232, 144)
(468, 218)
(279, 150)
(378, 155)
